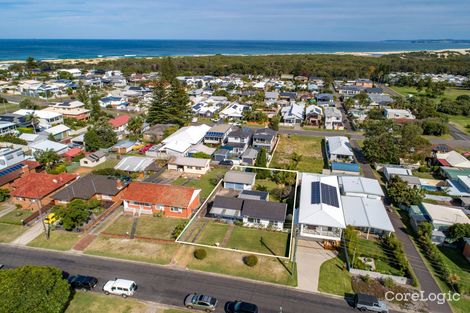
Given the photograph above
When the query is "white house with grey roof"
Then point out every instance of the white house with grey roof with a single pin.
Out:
(355, 186)
(189, 165)
(338, 148)
(333, 119)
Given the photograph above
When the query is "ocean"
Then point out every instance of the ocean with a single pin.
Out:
(48, 49)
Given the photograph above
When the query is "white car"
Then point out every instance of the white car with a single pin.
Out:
(120, 287)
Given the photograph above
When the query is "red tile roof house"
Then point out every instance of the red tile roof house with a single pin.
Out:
(148, 198)
(120, 125)
(34, 190)
(71, 153)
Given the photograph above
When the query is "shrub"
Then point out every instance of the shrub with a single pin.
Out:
(388, 283)
(200, 254)
(178, 230)
(250, 260)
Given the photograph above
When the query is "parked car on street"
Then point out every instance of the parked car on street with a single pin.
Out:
(365, 302)
(120, 287)
(241, 307)
(200, 302)
(82, 282)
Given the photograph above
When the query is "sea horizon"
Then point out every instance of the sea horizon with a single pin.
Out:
(63, 49)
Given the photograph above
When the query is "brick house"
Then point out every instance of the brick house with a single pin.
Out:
(34, 190)
(148, 198)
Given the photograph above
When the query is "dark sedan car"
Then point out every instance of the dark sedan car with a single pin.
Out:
(241, 307)
(82, 282)
(226, 162)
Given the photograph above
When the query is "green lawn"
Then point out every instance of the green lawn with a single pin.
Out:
(383, 263)
(249, 239)
(132, 250)
(59, 240)
(309, 147)
(106, 164)
(8, 107)
(460, 121)
(268, 269)
(8, 232)
(450, 93)
(15, 217)
(270, 185)
(335, 278)
(213, 233)
(121, 226)
(204, 183)
(157, 227)
(90, 302)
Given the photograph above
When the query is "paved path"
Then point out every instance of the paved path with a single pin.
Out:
(310, 256)
(7, 210)
(227, 236)
(28, 236)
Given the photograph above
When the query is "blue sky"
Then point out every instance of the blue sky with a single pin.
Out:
(236, 19)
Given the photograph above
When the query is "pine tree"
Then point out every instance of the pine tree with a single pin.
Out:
(179, 110)
(157, 113)
(167, 70)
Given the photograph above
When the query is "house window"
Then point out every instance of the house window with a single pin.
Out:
(176, 210)
(160, 207)
(254, 220)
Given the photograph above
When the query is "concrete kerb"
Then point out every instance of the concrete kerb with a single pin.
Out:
(291, 245)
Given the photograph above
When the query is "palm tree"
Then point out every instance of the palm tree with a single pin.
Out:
(33, 119)
(135, 125)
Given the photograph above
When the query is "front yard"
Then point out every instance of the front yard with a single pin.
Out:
(385, 262)
(15, 217)
(132, 250)
(59, 240)
(157, 227)
(259, 240)
(334, 277)
(309, 147)
(9, 232)
(268, 269)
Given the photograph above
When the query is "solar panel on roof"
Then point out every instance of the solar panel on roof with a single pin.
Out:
(329, 195)
(11, 169)
(315, 192)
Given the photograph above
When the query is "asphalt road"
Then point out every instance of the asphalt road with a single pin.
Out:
(169, 286)
(457, 133)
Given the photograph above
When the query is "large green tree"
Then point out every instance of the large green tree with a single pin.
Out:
(74, 214)
(33, 289)
(100, 135)
(167, 70)
(157, 110)
(48, 158)
(262, 161)
(134, 126)
(179, 109)
(400, 192)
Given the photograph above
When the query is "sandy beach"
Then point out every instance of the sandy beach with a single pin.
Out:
(442, 52)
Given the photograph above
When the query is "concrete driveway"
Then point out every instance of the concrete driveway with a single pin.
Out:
(310, 256)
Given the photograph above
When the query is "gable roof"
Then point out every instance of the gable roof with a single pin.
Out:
(188, 135)
(247, 178)
(168, 195)
(315, 208)
(366, 212)
(355, 184)
(119, 121)
(88, 186)
(453, 158)
(267, 210)
(39, 185)
(134, 164)
(187, 161)
(339, 145)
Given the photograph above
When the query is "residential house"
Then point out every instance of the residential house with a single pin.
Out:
(123, 146)
(239, 180)
(452, 159)
(338, 148)
(119, 125)
(442, 217)
(380, 99)
(249, 156)
(7, 128)
(239, 140)
(189, 165)
(364, 82)
(100, 187)
(47, 119)
(113, 101)
(234, 111)
(18, 120)
(13, 172)
(70, 109)
(288, 95)
(374, 90)
(333, 119)
(320, 209)
(48, 145)
(58, 132)
(221, 154)
(93, 159)
(252, 212)
(134, 164)
(10, 156)
(34, 190)
(156, 133)
(360, 187)
(172, 201)
(72, 153)
(271, 95)
(314, 115)
(179, 143)
(325, 99)
(217, 134)
(264, 138)
(200, 148)
(348, 90)
(293, 114)
(399, 115)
